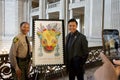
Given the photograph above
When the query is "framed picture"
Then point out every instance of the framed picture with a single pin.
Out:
(111, 41)
(48, 42)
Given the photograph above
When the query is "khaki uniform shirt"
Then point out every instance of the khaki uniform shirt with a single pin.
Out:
(18, 49)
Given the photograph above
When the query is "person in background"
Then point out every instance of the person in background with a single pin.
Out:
(76, 51)
(20, 53)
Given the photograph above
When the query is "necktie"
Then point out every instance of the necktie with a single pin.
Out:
(28, 48)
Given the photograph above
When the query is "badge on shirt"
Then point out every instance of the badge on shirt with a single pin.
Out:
(15, 39)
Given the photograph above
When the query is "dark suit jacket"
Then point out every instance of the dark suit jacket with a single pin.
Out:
(79, 49)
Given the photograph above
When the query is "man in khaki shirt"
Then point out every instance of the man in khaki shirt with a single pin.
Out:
(20, 53)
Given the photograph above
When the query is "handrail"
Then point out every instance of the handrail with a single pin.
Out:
(5, 68)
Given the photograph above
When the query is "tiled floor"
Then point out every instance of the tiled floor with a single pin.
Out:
(87, 76)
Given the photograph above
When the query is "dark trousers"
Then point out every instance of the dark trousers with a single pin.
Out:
(76, 70)
(72, 75)
(23, 65)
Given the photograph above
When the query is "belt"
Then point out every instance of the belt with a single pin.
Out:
(22, 59)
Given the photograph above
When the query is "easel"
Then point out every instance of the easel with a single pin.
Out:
(41, 74)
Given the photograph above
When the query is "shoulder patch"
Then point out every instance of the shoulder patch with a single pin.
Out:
(15, 39)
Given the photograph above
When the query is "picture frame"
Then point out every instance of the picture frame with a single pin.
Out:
(48, 42)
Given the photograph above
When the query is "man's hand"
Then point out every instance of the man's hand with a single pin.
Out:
(18, 72)
(107, 71)
(117, 68)
(117, 62)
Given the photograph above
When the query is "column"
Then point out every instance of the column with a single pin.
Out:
(10, 18)
(47, 16)
(42, 10)
(3, 18)
(87, 17)
(30, 17)
(20, 11)
(93, 18)
(62, 11)
(71, 13)
(112, 14)
(107, 14)
(31, 28)
(115, 14)
(67, 17)
(1, 7)
(93, 22)
(25, 9)
(17, 16)
(26, 14)
(96, 24)
(71, 1)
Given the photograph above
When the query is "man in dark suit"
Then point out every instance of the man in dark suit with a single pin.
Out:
(76, 51)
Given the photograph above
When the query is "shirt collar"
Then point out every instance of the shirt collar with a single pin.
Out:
(74, 33)
(23, 34)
